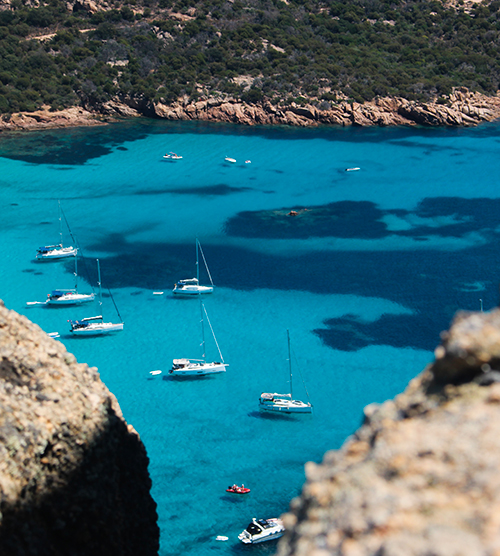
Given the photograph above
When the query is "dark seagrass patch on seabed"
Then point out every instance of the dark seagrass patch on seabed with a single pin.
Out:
(350, 333)
(347, 219)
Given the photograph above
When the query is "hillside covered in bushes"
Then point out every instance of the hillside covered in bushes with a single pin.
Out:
(60, 54)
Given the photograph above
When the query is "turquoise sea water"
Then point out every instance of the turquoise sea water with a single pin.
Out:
(364, 280)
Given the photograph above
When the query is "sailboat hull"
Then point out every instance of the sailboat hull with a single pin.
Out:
(193, 368)
(54, 254)
(97, 329)
(192, 290)
(72, 299)
(286, 406)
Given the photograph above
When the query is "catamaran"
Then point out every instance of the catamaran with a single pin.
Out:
(95, 326)
(52, 252)
(284, 403)
(200, 367)
(191, 286)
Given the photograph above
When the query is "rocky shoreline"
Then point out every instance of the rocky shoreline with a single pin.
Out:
(462, 108)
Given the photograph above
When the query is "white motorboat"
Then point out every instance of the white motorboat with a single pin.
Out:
(284, 403)
(230, 160)
(172, 156)
(95, 326)
(53, 252)
(260, 530)
(200, 367)
(192, 286)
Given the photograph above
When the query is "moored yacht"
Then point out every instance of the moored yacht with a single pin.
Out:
(53, 252)
(260, 530)
(93, 326)
(284, 403)
(191, 286)
(69, 297)
(200, 367)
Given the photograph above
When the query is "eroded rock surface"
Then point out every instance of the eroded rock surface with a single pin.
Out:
(463, 108)
(73, 475)
(422, 475)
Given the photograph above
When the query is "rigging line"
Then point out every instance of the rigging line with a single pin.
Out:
(213, 334)
(206, 265)
(113, 300)
(300, 373)
(65, 220)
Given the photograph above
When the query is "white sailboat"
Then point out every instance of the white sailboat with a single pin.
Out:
(200, 367)
(284, 403)
(95, 326)
(62, 296)
(53, 252)
(191, 286)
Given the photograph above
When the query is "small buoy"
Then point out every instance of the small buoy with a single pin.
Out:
(221, 538)
(157, 293)
(158, 372)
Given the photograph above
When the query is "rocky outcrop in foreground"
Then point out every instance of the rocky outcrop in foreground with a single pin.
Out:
(421, 477)
(462, 108)
(73, 475)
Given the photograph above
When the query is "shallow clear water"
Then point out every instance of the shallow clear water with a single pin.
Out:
(365, 279)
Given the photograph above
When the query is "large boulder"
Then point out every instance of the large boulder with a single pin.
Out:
(73, 474)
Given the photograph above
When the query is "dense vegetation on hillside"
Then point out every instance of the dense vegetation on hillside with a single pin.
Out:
(161, 49)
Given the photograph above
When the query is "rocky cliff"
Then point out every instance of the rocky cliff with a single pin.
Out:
(73, 475)
(460, 109)
(422, 475)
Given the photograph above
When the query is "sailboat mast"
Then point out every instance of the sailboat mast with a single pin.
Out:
(99, 284)
(289, 364)
(60, 222)
(76, 273)
(197, 265)
(202, 330)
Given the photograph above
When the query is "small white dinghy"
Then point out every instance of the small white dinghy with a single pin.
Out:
(172, 156)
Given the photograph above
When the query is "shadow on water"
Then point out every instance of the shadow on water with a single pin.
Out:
(272, 416)
(207, 191)
(192, 378)
(235, 499)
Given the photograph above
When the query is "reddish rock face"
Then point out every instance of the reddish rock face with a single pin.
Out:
(462, 108)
